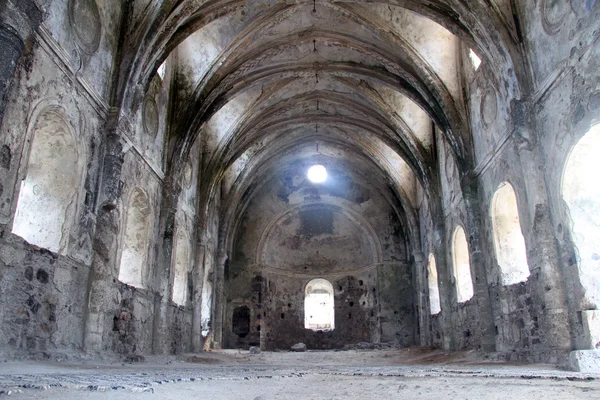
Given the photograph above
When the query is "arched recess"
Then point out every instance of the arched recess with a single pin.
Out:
(135, 240)
(581, 193)
(434, 291)
(319, 312)
(181, 268)
(48, 195)
(462, 266)
(509, 242)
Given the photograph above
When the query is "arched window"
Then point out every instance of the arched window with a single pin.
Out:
(318, 306)
(48, 195)
(462, 266)
(135, 240)
(508, 238)
(434, 291)
(581, 193)
(182, 266)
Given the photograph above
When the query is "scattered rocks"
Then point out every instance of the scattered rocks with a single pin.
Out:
(254, 350)
(367, 346)
(201, 360)
(298, 347)
(135, 358)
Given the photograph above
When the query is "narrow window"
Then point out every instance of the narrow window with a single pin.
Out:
(434, 291)
(162, 70)
(319, 306)
(182, 266)
(48, 195)
(508, 238)
(135, 240)
(462, 266)
(475, 60)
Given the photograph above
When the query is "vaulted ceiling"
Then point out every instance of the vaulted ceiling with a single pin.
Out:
(361, 85)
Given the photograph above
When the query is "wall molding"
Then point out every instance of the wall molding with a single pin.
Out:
(66, 63)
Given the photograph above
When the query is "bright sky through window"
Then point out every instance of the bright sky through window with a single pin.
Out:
(317, 174)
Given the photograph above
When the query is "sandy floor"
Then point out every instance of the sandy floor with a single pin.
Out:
(379, 374)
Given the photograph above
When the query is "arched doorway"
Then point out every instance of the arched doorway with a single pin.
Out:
(319, 313)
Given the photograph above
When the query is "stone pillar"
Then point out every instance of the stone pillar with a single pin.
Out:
(18, 22)
(422, 290)
(445, 276)
(160, 339)
(11, 50)
(102, 296)
(551, 297)
(473, 201)
(219, 299)
(198, 283)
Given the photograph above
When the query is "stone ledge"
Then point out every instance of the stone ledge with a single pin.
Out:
(584, 361)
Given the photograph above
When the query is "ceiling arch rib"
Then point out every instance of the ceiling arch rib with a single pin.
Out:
(397, 135)
(436, 100)
(179, 19)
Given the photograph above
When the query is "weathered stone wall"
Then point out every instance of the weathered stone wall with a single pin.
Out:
(343, 231)
(36, 316)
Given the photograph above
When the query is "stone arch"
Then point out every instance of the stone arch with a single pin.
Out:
(319, 310)
(509, 243)
(181, 268)
(134, 252)
(461, 266)
(434, 291)
(581, 193)
(48, 195)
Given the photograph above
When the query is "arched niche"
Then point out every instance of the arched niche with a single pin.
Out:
(462, 266)
(434, 291)
(581, 193)
(135, 240)
(509, 242)
(319, 312)
(48, 195)
(240, 321)
(182, 266)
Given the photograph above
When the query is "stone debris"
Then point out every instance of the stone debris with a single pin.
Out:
(298, 347)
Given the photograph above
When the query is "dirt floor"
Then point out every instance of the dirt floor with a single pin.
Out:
(355, 374)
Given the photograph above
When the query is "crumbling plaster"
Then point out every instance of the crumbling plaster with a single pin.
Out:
(255, 93)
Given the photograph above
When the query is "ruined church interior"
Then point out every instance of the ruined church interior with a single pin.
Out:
(200, 181)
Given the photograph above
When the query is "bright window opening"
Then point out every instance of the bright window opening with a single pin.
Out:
(317, 174)
(462, 266)
(48, 195)
(162, 70)
(434, 291)
(475, 60)
(508, 238)
(319, 314)
(182, 266)
(581, 193)
(135, 246)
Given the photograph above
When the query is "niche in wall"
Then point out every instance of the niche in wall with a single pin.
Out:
(48, 195)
